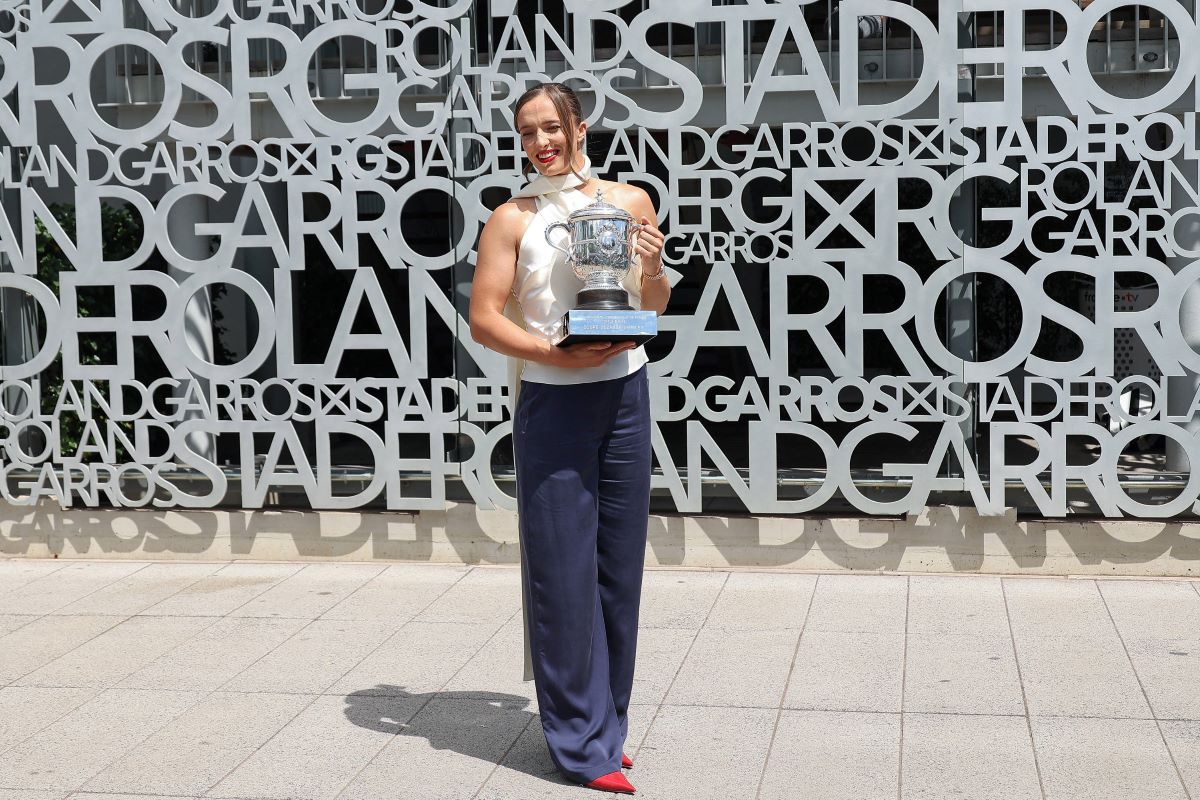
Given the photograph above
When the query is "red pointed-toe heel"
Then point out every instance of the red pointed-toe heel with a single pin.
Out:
(612, 782)
(626, 762)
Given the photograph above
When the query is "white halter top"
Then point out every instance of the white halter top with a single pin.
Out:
(545, 289)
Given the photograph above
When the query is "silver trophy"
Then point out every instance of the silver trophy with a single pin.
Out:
(599, 251)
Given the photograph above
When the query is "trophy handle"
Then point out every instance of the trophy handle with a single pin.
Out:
(552, 227)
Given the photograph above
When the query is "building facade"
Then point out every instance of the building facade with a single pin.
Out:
(921, 253)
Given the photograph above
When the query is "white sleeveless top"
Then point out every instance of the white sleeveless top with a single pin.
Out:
(545, 288)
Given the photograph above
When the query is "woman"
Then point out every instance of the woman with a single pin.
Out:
(581, 437)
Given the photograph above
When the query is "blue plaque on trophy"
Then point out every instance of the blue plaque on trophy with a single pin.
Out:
(599, 250)
(598, 325)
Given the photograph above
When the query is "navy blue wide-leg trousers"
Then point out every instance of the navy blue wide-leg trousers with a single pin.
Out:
(583, 496)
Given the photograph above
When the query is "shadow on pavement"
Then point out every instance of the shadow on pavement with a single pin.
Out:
(482, 725)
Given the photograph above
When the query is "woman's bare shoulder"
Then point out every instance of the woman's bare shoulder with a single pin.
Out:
(512, 216)
(625, 195)
(513, 208)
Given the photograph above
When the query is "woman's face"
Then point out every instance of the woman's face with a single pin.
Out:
(544, 138)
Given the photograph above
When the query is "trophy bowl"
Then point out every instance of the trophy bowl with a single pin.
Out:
(599, 251)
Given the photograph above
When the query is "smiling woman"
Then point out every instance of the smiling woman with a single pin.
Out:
(540, 126)
(581, 440)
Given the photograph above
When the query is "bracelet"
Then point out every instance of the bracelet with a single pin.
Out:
(662, 268)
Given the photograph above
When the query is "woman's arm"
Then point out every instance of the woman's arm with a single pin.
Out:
(495, 269)
(655, 288)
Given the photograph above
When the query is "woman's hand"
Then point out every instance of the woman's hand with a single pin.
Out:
(589, 354)
(655, 287)
(649, 245)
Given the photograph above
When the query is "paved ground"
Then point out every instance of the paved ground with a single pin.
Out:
(243, 680)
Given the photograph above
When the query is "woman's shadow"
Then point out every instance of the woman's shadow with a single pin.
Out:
(483, 725)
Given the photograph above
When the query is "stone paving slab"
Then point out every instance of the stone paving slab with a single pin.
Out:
(201, 745)
(45, 639)
(490, 670)
(331, 681)
(945, 604)
(225, 591)
(961, 673)
(141, 589)
(1098, 759)
(218, 653)
(119, 651)
(763, 657)
(703, 753)
(10, 622)
(1183, 742)
(20, 572)
(968, 755)
(62, 587)
(847, 671)
(1086, 676)
(834, 755)
(68, 752)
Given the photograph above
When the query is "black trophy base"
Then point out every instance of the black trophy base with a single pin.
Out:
(603, 300)
(607, 325)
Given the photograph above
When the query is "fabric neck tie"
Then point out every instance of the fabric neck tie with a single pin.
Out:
(552, 188)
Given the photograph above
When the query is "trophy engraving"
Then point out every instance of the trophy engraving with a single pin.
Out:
(600, 250)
